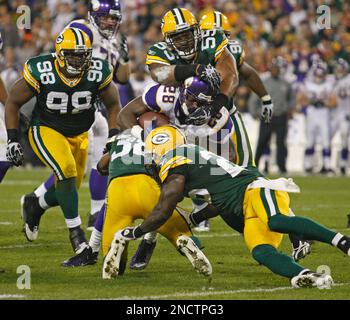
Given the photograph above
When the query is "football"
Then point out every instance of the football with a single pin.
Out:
(160, 119)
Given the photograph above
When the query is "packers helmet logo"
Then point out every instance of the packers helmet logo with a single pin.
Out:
(160, 138)
(59, 38)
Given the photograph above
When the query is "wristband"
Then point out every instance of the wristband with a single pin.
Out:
(266, 99)
(138, 232)
(112, 132)
(221, 100)
(184, 71)
(12, 135)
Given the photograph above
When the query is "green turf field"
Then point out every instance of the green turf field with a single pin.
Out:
(169, 276)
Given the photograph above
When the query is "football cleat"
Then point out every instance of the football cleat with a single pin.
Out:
(92, 220)
(85, 258)
(310, 279)
(203, 226)
(344, 245)
(300, 248)
(112, 264)
(142, 255)
(197, 258)
(31, 213)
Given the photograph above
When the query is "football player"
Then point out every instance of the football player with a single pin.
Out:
(342, 92)
(125, 164)
(108, 44)
(239, 194)
(316, 94)
(66, 85)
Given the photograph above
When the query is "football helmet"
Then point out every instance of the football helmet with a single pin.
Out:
(341, 68)
(161, 140)
(195, 93)
(319, 71)
(215, 20)
(105, 16)
(73, 51)
(181, 32)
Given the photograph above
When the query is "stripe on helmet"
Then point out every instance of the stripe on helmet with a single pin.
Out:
(178, 15)
(78, 36)
(218, 20)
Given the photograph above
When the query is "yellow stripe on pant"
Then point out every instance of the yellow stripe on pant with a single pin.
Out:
(66, 156)
(134, 197)
(258, 205)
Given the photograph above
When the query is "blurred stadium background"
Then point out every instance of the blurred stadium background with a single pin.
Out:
(286, 28)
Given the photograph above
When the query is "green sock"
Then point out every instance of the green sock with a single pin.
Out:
(277, 262)
(305, 227)
(50, 197)
(67, 196)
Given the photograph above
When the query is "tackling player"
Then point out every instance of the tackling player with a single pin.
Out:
(238, 194)
(125, 164)
(66, 85)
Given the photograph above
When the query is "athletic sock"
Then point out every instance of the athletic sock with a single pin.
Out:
(41, 190)
(305, 227)
(95, 240)
(4, 166)
(98, 188)
(277, 262)
(48, 199)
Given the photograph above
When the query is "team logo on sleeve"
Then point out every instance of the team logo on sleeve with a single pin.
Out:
(160, 138)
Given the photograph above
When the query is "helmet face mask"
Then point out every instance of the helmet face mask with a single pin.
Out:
(185, 43)
(76, 61)
(105, 16)
(195, 94)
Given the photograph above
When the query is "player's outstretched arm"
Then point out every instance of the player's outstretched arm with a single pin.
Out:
(19, 94)
(171, 195)
(103, 164)
(110, 98)
(252, 79)
(127, 117)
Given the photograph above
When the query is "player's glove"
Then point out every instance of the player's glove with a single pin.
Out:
(267, 108)
(14, 151)
(123, 48)
(200, 116)
(130, 233)
(210, 75)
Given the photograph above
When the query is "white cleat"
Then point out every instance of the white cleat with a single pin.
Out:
(195, 255)
(203, 226)
(111, 263)
(312, 279)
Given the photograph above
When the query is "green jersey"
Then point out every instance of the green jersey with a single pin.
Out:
(209, 177)
(237, 52)
(211, 47)
(63, 104)
(127, 156)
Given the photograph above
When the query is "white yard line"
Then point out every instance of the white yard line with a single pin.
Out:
(206, 293)
(19, 246)
(12, 296)
(5, 223)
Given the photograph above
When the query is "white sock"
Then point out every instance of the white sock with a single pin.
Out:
(42, 203)
(73, 223)
(95, 240)
(151, 237)
(41, 190)
(96, 205)
(336, 239)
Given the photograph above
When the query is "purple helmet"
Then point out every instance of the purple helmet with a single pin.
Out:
(195, 93)
(105, 16)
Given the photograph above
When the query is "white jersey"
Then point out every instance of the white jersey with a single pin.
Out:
(165, 99)
(102, 48)
(342, 92)
(317, 93)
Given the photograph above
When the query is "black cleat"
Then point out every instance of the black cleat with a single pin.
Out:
(143, 255)
(31, 213)
(92, 220)
(300, 248)
(77, 239)
(85, 258)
